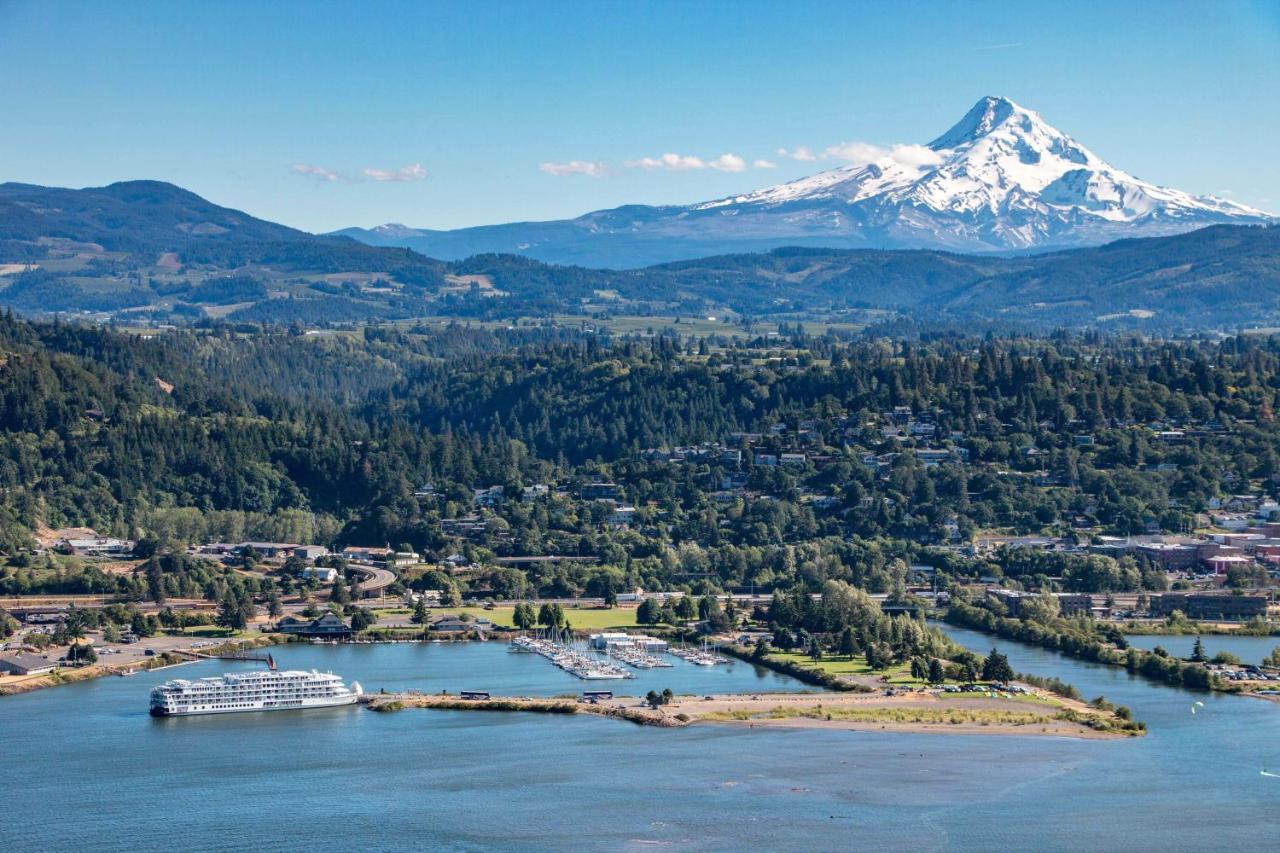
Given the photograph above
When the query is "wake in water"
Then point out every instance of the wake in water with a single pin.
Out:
(1270, 775)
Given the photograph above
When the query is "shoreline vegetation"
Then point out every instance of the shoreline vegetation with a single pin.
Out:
(1080, 639)
(1035, 715)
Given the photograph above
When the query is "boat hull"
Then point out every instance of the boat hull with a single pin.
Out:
(336, 702)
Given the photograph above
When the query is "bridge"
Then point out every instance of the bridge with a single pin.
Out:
(375, 582)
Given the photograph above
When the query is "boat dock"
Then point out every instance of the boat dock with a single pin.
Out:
(582, 664)
(699, 657)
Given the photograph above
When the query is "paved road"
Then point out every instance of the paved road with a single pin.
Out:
(376, 580)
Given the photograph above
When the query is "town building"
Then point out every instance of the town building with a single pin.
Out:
(25, 664)
(267, 550)
(1209, 605)
(99, 546)
(602, 491)
(366, 556)
(329, 626)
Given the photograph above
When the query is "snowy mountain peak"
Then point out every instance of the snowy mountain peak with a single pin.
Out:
(987, 114)
(1000, 179)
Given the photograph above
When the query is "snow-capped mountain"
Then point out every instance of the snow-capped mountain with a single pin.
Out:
(1002, 179)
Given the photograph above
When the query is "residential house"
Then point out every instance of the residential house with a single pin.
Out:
(490, 498)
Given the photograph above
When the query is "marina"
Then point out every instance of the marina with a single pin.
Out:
(583, 664)
(700, 657)
(634, 650)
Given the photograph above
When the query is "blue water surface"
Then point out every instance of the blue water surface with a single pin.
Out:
(87, 769)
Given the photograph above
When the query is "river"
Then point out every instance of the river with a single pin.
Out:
(88, 769)
(1248, 649)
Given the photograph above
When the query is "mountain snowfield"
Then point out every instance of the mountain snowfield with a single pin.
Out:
(1001, 180)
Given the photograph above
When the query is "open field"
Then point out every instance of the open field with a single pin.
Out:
(899, 675)
(579, 618)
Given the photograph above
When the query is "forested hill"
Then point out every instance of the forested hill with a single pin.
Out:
(151, 252)
(380, 436)
(130, 216)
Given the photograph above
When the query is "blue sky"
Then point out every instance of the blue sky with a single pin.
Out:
(323, 115)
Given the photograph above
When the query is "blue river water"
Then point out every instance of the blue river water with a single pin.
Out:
(1248, 649)
(87, 769)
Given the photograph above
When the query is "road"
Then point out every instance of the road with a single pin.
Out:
(375, 582)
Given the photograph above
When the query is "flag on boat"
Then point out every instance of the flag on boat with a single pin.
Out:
(271, 661)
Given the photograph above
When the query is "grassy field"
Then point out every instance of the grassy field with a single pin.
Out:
(898, 675)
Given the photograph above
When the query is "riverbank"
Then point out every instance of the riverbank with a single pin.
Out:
(14, 685)
(919, 712)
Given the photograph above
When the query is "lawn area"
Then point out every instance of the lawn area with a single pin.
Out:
(899, 675)
(579, 618)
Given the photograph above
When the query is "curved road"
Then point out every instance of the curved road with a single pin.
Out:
(375, 582)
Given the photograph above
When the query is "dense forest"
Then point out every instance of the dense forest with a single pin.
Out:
(383, 436)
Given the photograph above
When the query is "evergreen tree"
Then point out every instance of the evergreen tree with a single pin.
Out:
(996, 668)
(420, 615)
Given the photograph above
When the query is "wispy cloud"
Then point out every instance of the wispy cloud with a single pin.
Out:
(1002, 46)
(671, 162)
(861, 153)
(727, 162)
(412, 172)
(320, 173)
(803, 154)
(590, 168)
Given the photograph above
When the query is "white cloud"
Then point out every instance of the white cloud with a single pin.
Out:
(764, 164)
(590, 168)
(861, 153)
(673, 162)
(412, 172)
(728, 163)
(318, 172)
(920, 156)
(803, 154)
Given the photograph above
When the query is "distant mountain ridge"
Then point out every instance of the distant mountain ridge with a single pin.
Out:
(1000, 180)
(129, 214)
(149, 251)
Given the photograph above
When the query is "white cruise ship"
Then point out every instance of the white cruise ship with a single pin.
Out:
(266, 690)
